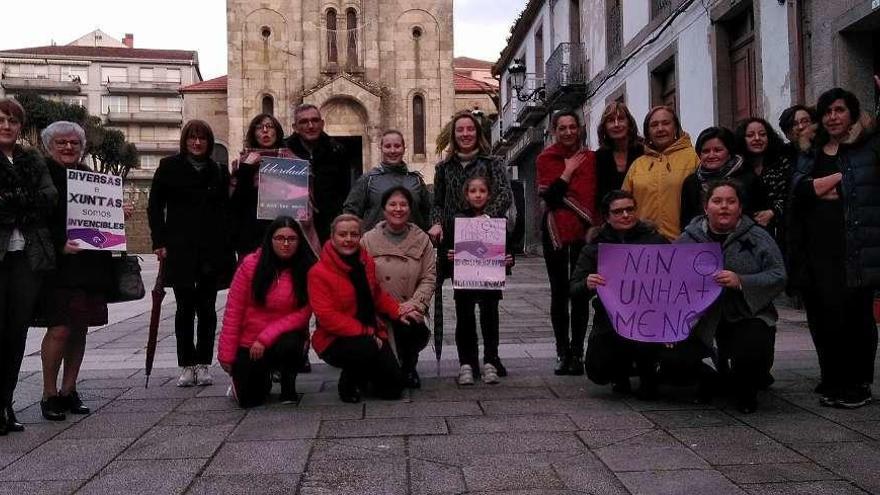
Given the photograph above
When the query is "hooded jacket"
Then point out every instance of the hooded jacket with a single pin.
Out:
(655, 179)
(407, 270)
(365, 197)
(751, 253)
(333, 299)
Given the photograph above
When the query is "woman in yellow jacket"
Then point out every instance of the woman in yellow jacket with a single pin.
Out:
(655, 178)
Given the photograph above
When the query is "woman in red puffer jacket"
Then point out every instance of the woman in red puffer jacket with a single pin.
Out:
(266, 323)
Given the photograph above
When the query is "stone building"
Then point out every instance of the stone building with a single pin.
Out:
(367, 64)
(206, 100)
(475, 88)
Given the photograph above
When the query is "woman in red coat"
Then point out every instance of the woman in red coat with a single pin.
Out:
(347, 301)
(567, 186)
(266, 323)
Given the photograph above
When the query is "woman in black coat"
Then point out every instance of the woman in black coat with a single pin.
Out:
(619, 146)
(835, 241)
(188, 215)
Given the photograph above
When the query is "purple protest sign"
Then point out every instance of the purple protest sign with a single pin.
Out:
(657, 292)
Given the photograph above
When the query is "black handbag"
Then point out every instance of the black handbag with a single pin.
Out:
(128, 284)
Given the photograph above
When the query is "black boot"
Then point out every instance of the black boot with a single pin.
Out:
(74, 404)
(53, 408)
(348, 389)
(12, 423)
(576, 364)
(4, 422)
(563, 363)
(288, 388)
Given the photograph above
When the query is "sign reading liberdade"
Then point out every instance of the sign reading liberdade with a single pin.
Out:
(657, 293)
(479, 253)
(283, 188)
(94, 211)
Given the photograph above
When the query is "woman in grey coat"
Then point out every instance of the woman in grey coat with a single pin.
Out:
(743, 319)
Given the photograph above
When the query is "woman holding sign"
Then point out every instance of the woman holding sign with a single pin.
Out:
(188, 223)
(567, 185)
(27, 197)
(75, 293)
(743, 319)
(610, 357)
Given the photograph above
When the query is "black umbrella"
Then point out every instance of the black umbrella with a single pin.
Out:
(438, 308)
(158, 293)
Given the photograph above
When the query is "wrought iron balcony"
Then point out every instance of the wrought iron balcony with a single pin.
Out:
(511, 127)
(532, 138)
(566, 75)
(533, 110)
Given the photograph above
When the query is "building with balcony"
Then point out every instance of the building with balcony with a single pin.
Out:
(134, 90)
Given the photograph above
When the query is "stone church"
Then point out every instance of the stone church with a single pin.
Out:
(369, 65)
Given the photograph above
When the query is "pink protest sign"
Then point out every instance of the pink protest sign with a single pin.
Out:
(479, 253)
(657, 292)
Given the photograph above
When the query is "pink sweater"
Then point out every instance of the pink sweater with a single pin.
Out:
(245, 322)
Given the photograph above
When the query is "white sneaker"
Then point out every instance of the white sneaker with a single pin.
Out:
(465, 375)
(490, 374)
(203, 376)
(187, 377)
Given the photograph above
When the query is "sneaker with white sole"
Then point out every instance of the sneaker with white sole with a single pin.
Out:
(490, 374)
(187, 377)
(465, 375)
(203, 376)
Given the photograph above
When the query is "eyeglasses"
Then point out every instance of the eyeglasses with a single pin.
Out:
(63, 143)
(803, 122)
(312, 121)
(629, 210)
(291, 239)
(12, 121)
(265, 127)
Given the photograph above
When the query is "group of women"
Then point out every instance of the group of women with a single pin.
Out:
(814, 199)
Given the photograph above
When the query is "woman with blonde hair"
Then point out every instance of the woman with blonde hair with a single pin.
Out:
(619, 146)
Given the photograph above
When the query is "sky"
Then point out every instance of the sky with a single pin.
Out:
(481, 26)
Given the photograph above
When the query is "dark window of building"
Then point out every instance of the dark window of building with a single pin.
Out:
(351, 24)
(574, 21)
(614, 29)
(539, 53)
(418, 110)
(663, 84)
(332, 51)
(268, 104)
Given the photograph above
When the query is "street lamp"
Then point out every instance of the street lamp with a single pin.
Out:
(517, 72)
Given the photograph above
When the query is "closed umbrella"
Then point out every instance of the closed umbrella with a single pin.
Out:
(438, 311)
(158, 293)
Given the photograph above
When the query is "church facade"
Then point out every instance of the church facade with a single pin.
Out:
(369, 65)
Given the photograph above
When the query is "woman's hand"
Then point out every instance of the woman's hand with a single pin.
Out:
(450, 255)
(436, 233)
(571, 164)
(257, 350)
(252, 158)
(594, 280)
(71, 247)
(161, 253)
(764, 217)
(826, 187)
(728, 279)
(378, 341)
(413, 317)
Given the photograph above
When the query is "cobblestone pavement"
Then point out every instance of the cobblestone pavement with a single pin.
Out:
(533, 433)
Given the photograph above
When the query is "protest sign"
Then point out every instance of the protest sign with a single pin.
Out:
(656, 293)
(283, 188)
(479, 253)
(94, 211)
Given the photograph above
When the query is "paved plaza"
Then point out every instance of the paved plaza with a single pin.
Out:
(535, 433)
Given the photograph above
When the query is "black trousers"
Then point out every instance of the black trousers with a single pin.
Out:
(682, 364)
(196, 301)
(844, 332)
(364, 362)
(19, 289)
(252, 378)
(748, 345)
(409, 340)
(560, 263)
(610, 358)
(466, 302)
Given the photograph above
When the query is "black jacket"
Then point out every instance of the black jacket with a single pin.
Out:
(607, 176)
(755, 196)
(187, 212)
(27, 197)
(859, 190)
(330, 178)
(365, 197)
(588, 262)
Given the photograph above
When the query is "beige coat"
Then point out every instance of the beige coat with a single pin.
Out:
(406, 270)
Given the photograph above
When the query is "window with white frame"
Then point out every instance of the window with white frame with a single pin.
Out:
(172, 75)
(78, 73)
(149, 161)
(114, 103)
(174, 104)
(145, 74)
(148, 104)
(82, 101)
(114, 75)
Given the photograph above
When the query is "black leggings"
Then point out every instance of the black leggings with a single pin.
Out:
(364, 362)
(560, 263)
(192, 301)
(252, 378)
(466, 302)
(19, 289)
(748, 344)
(409, 340)
(610, 358)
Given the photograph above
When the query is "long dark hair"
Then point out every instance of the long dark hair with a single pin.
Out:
(270, 266)
(774, 142)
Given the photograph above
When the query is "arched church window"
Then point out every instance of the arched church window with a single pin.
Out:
(418, 111)
(351, 22)
(268, 104)
(332, 51)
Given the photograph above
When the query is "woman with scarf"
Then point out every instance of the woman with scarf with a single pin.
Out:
(716, 146)
(567, 186)
(347, 301)
(655, 178)
(365, 197)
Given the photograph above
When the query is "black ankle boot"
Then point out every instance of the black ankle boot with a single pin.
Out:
(53, 408)
(563, 363)
(348, 389)
(288, 388)
(74, 404)
(12, 423)
(576, 364)
(411, 379)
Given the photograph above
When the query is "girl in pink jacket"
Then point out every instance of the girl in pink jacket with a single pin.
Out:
(266, 323)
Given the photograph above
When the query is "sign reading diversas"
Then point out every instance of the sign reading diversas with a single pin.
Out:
(656, 293)
(94, 211)
(283, 188)
(479, 253)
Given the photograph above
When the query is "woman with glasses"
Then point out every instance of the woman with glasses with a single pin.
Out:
(27, 197)
(188, 223)
(266, 323)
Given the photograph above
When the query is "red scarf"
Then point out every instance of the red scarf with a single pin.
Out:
(570, 222)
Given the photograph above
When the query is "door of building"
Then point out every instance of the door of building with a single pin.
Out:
(354, 156)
